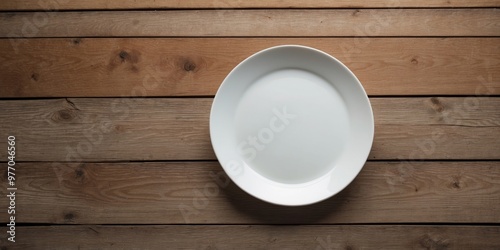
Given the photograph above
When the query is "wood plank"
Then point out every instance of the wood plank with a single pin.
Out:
(117, 129)
(197, 66)
(256, 237)
(7, 5)
(200, 193)
(245, 23)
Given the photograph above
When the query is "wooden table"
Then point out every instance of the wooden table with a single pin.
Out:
(109, 103)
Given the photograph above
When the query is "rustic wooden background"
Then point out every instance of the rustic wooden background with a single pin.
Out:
(109, 102)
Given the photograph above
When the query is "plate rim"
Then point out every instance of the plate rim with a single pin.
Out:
(336, 62)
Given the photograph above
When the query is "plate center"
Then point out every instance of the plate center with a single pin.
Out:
(291, 126)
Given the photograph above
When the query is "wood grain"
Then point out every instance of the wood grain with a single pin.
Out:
(257, 237)
(117, 129)
(245, 23)
(191, 4)
(83, 167)
(196, 66)
(200, 193)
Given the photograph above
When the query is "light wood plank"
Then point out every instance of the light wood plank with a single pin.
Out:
(200, 193)
(257, 237)
(197, 66)
(191, 4)
(213, 23)
(111, 129)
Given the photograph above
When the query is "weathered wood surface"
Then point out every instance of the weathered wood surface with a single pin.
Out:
(195, 4)
(123, 129)
(409, 55)
(91, 67)
(257, 237)
(200, 193)
(248, 23)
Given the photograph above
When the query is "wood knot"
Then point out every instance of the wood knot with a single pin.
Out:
(435, 101)
(414, 61)
(119, 128)
(63, 115)
(69, 217)
(436, 104)
(35, 76)
(455, 183)
(124, 55)
(189, 66)
(76, 41)
(79, 173)
(125, 58)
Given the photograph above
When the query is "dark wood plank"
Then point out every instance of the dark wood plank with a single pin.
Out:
(256, 237)
(200, 193)
(213, 23)
(190, 4)
(196, 67)
(118, 129)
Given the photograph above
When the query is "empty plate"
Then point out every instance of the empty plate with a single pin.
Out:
(291, 125)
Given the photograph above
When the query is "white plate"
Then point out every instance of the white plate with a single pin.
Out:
(291, 125)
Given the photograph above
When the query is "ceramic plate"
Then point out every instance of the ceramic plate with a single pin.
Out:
(291, 125)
